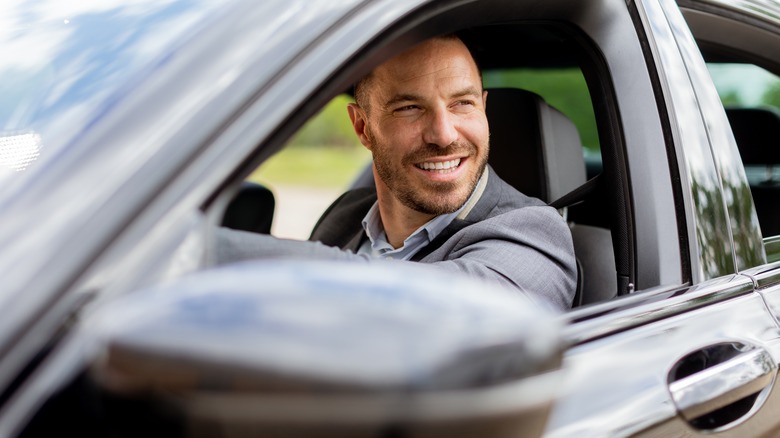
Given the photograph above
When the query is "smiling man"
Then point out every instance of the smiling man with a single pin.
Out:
(422, 116)
(435, 200)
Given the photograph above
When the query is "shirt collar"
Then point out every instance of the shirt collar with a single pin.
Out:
(378, 245)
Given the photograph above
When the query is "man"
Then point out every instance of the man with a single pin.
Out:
(422, 116)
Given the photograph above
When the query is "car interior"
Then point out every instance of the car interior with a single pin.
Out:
(539, 150)
(754, 130)
(534, 146)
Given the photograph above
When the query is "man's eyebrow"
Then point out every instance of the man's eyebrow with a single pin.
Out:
(398, 98)
(469, 91)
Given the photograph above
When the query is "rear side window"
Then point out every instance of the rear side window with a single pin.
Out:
(751, 96)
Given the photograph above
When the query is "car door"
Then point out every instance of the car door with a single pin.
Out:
(671, 362)
(753, 52)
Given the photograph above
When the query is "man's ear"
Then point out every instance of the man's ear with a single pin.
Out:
(484, 98)
(359, 122)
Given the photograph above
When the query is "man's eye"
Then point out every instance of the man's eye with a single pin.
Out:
(406, 109)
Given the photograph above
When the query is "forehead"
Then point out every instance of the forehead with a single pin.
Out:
(432, 64)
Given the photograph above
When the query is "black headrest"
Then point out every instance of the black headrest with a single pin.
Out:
(756, 131)
(252, 209)
(533, 146)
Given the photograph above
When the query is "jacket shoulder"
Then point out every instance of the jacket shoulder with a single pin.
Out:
(499, 198)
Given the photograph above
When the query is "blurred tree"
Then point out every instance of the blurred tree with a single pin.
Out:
(330, 127)
(730, 98)
(772, 95)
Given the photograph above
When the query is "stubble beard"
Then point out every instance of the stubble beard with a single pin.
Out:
(434, 198)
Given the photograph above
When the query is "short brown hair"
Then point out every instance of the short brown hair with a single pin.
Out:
(360, 89)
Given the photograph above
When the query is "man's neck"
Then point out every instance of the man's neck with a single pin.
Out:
(399, 221)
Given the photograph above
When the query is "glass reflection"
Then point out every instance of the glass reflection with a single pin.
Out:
(61, 60)
(741, 221)
(18, 151)
(769, 8)
(712, 252)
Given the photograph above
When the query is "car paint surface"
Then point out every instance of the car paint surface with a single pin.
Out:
(131, 140)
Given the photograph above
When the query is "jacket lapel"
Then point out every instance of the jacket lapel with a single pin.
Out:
(356, 241)
(487, 194)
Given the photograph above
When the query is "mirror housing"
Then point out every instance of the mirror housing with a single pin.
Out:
(330, 348)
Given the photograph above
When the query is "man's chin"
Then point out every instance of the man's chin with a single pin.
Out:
(437, 204)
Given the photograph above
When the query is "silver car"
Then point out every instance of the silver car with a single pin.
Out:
(128, 129)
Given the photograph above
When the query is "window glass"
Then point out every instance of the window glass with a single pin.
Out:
(747, 86)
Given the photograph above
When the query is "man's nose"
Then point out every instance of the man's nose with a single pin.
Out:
(441, 129)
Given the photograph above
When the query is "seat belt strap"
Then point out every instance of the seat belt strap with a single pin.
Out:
(576, 195)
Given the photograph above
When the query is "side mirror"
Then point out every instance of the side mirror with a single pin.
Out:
(327, 348)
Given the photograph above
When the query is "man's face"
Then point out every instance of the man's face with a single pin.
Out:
(426, 126)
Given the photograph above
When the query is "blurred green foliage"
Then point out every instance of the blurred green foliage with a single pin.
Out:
(326, 152)
(772, 95)
(731, 98)
(330, 127)
(313, 166)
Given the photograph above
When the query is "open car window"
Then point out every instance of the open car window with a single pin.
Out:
(317, 165)
(558, 64)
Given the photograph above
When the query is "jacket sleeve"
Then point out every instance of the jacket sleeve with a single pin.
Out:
(232, 246)
(529, 249)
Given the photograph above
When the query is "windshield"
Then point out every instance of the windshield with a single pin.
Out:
(61, 61)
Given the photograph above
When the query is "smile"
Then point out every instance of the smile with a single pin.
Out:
(440, 166)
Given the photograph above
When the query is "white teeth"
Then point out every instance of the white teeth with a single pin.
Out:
(440, 166)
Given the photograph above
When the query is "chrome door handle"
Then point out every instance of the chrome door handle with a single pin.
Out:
(723, 384)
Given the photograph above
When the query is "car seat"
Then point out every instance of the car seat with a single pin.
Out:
(537, 149)
(756, 130)
(251, 209)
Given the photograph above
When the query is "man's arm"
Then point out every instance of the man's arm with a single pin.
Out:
(529, 249)
(233, 246)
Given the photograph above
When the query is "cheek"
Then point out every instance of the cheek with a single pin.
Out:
(398, 135)
(477, 131)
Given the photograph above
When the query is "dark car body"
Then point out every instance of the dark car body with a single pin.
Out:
(130, 127)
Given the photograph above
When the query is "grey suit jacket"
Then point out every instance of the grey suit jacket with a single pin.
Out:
(502, 236)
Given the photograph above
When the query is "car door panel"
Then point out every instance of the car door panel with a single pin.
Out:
(767, 281)
(746, 33)
(626, 384)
